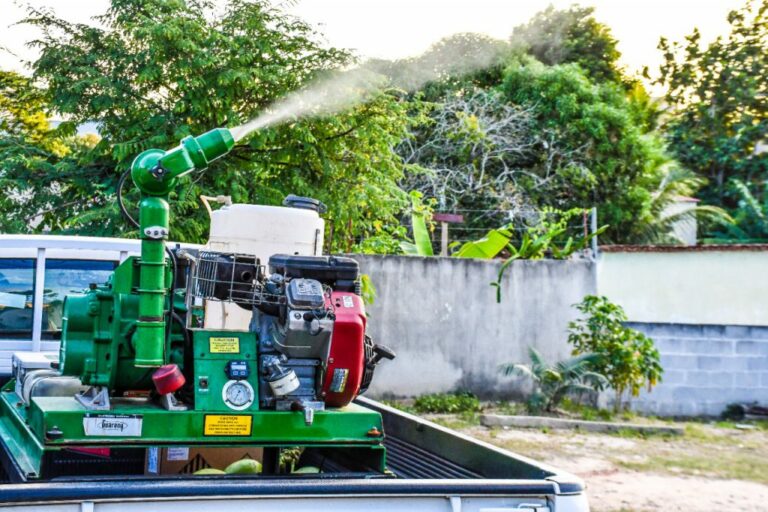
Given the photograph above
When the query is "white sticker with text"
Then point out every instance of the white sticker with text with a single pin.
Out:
(113, 425)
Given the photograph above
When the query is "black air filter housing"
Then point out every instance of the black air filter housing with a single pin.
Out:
(336, 271)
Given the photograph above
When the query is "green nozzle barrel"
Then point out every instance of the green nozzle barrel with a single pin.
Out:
(156, 173)
(208, 146)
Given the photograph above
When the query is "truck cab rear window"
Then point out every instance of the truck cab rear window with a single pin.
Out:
(17, 284)
(64, 277)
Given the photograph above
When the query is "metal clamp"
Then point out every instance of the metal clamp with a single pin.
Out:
(156, 232)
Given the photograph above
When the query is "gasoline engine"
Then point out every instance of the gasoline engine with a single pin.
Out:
(223, 346)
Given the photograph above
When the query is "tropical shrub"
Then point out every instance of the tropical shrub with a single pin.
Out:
(626, 357)
(553, 382)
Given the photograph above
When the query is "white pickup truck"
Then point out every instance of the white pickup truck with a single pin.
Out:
(432, 468)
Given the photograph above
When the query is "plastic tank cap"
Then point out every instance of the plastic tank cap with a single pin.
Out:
(168, 379)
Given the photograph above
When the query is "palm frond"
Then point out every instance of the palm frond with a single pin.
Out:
(748, 199)
(577, 365)
(519, 369)
(537, 361)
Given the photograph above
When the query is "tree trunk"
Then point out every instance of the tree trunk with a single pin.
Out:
(617, 401)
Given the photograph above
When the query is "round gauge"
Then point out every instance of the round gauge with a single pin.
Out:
(237, 394)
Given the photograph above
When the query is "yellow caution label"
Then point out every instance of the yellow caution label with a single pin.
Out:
(224, 345)
(227, 425)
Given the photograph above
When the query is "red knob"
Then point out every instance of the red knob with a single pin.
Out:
(168, 379)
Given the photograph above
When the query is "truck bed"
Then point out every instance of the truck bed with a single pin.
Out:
(434, 468)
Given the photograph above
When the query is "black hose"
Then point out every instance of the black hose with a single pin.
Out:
(171, 294)
(123, 210)
(187, 392)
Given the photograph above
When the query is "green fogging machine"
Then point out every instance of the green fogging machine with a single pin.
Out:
(151, 358)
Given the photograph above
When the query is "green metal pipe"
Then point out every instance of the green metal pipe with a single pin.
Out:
(155, 173)
(150, 327)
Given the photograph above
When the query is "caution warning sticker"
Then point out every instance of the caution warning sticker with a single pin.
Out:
(227, 425)
(224, 345)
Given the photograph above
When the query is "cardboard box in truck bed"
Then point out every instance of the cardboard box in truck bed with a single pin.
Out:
(185, 460)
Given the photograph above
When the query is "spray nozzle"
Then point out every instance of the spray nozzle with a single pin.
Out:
(155, 171)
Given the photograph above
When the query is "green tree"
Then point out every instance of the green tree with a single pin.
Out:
(571, 35)
(470, 156)
(22, 108)
(718, 112)
(31, 152)
(548, 136)
(153, 71)
(626, 357)
(599, 151)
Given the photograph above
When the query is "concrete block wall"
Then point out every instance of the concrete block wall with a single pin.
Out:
(706, 367)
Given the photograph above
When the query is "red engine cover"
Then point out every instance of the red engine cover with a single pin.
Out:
(347, 358)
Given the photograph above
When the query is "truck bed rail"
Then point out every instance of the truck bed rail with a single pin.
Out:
(431, 463)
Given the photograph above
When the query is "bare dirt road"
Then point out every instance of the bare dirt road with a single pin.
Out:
(709, 468)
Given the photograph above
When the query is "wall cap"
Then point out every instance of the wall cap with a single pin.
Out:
(686, 248)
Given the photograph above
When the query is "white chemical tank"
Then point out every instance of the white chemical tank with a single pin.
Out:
(266, 230)
(262, 231)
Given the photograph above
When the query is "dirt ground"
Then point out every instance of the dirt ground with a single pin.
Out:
(711, 467)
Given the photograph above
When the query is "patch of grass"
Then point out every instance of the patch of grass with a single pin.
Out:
(447, 403)
(758, 424)
(510, 408)
(586, 412)
(717, 435)
(630, 433)
(460, 421)
(400, 405)
(705, 450)
(732, 464)
(527, 447)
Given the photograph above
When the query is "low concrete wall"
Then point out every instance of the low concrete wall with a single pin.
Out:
(441, 317)
(706, 367)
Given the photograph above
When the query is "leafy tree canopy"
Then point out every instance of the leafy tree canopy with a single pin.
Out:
(548, 136)
(718, 113)
(597, 154)
(571, 35)
(30, 152)
(22, 108)
(153, 71)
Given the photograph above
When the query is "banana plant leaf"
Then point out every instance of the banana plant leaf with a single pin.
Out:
(421, 237)
(487, 247)
(423, 243)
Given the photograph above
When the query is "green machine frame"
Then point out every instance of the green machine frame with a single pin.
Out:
(115, 336)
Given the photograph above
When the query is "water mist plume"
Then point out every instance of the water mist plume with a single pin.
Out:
(455, 56)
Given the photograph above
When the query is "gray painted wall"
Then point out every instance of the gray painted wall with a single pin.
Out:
(706, 367)
(441, 317)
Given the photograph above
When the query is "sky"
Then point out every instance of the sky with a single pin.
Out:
(402, 28)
